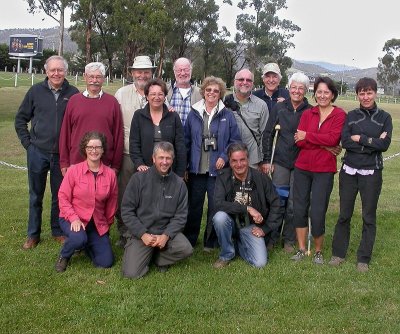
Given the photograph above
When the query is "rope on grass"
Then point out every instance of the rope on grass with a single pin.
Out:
(12, 166)
(24, 168)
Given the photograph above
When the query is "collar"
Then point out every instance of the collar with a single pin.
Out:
(249, 98)
(157, 175)
(52, 88)
(86, 94)
(86, 169)
(370, 111)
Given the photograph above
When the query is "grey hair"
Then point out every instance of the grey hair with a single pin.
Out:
(56, 58)
(164, 146)
(91, 67)
(183, 59)
(300, 78)
(237, 147)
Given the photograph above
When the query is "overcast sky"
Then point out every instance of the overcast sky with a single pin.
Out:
(350, 32)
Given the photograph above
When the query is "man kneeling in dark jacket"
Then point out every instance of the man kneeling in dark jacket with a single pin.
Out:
(247, 209)
(154, 209)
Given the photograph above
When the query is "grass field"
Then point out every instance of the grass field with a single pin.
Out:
(283, 297)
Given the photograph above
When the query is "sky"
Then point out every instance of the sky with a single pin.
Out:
(348, 32)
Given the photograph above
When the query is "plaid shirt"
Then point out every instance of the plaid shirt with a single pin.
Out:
(180, 105)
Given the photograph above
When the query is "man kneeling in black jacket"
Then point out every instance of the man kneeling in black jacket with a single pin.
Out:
(247, 209)
(154, 210)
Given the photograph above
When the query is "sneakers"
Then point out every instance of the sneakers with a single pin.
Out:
(299, 255)
(219, 264)
(335, 261)
(61, 264)
(318, 258)
(162, 269)
(362, 267)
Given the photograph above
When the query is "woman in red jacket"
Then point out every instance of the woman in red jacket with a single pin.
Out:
(317, 136)
(88, 201)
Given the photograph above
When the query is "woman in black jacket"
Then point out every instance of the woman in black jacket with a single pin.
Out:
(152, 124)
(367, 133)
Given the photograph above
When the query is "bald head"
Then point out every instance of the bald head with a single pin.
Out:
(243, 83)
(183, 72)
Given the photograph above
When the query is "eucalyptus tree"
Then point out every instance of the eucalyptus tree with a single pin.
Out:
(389, 65)
(54, 9)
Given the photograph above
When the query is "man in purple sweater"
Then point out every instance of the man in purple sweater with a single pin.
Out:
(93, 110)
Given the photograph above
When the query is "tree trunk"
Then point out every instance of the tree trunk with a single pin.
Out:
(61, 32)
(161, 60)
(89, 34)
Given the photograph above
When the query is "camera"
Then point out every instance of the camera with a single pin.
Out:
(210, 142)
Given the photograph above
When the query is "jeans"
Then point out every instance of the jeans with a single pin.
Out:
(39, 163)
(369, 187)
(251, 248)
(97, 247)
(198, 185)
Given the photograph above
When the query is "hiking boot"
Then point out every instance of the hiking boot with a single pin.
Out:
(61, 264)
(362, 267)
(318, 258)
(288, 248)
(299, 255)
(30, 243)
(335, 261)
(219, 264)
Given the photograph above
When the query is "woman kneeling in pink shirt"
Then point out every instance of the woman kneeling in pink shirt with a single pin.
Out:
(88, 201)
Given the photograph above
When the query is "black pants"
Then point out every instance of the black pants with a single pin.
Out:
(311, 191)
(369, 187)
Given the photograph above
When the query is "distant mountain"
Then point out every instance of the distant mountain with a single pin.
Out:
(50, 37)
(329, 66)
(350, 75)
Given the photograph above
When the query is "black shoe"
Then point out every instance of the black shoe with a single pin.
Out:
(61, 264)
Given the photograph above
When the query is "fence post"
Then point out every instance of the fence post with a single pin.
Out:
(76, 79)
(32, 79)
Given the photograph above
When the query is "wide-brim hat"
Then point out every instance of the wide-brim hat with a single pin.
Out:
(142, 62)
(272, 67)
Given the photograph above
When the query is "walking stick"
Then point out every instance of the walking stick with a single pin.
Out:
(277, 128)
(309, 237)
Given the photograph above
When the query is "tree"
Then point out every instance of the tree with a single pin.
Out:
(265, 36)
(389, 65)
(52, 8)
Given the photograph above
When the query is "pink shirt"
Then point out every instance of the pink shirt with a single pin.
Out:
(82, 197)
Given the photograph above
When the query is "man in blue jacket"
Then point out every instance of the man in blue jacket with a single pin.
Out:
(44, 106)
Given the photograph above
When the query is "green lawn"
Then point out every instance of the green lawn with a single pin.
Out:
(192, 297)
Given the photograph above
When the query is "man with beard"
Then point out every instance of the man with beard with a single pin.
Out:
(182, 94)
(251, 114)
(130, 98)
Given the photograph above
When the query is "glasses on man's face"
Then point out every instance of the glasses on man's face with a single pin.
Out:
(182, 70)
(211, 90)
(94, 77)
(244, 80)
(94, 148)
(56, 70)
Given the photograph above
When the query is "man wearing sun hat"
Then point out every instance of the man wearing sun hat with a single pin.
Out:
(272, 93)
(131, 98)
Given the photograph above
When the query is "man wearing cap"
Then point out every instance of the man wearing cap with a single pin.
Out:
(251, 114)
(182, 94)
(130, 98)
(272, 93)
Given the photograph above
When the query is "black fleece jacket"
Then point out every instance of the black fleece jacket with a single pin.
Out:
(45, 114)
(369, 124)
(286, 150)
(141, 138)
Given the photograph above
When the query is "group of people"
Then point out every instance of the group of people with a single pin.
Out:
(149, 155)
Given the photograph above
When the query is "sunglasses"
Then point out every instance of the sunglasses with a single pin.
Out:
(215, 91)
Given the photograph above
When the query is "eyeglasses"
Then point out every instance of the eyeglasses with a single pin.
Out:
(244, 80)
(54, 70)
(299, 88)
(210, 90)
(180, 70)
(94, 148)
(94, 77)
(153, 95)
